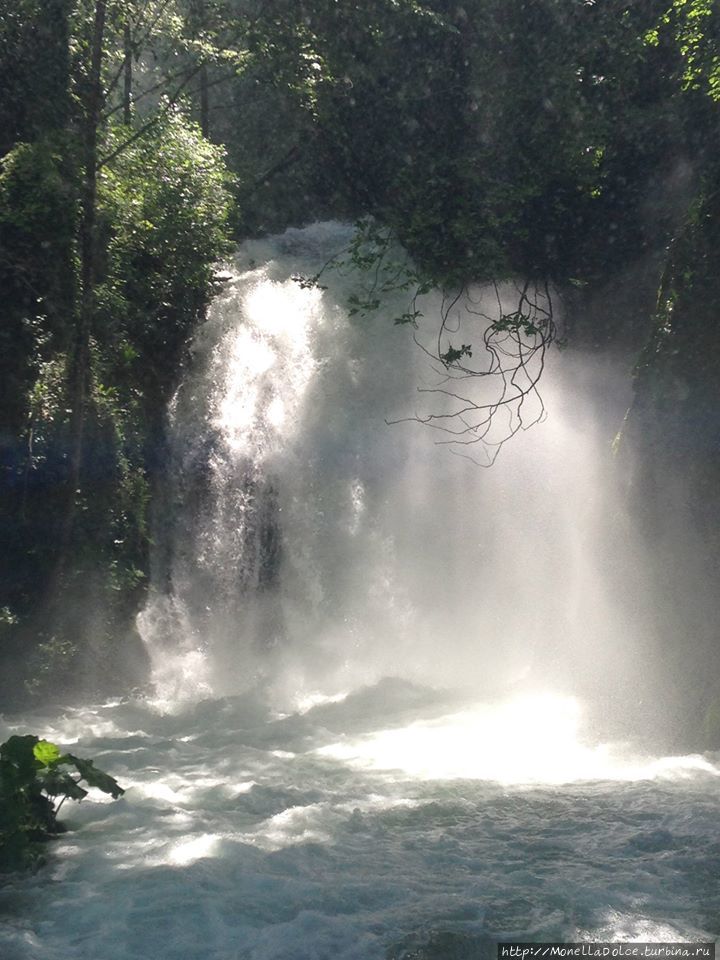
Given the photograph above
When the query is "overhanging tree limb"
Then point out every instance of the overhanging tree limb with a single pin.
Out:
(515, 323)
(517, 326)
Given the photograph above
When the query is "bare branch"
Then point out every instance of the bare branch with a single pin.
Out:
(515, 334)
(513, 322)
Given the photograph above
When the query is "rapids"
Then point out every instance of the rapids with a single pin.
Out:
(347, 832)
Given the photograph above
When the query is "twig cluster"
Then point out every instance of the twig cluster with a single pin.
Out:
(518, 326)
(516, 323)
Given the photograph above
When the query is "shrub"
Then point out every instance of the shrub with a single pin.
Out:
(34, 776)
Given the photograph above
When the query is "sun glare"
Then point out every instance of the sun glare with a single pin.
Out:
(532, 739)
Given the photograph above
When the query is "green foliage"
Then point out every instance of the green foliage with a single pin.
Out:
(33, 188)
(162, 213)
(37, 224)
(695, 27)
(165, 202)
(517, 140)
(37, 289)
(456, 354)
(34, 775)
(33, 69)
(375, 253)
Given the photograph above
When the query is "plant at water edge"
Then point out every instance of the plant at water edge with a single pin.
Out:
(34, 777)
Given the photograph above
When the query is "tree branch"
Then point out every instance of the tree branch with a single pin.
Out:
(141, 131)
(515, 342)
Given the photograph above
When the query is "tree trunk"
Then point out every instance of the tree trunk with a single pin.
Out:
(198, 18)
(127, 75)
(80, 369)
(204, 103)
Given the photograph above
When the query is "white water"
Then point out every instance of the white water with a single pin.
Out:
(314, 548)
(286, 800)
(346, 831)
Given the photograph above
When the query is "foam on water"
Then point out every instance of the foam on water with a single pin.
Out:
(244, 834)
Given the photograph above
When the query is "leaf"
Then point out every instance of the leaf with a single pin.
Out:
(96, 778)
(57, 784)
(453, 355)
(17, 761)
(46, 752)
(409, 317)
(18, 749)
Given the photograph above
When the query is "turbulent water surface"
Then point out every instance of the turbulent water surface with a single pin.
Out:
(365, 829)
(285, 798)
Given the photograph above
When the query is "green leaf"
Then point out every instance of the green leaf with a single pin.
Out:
(46, 752)
(33, 774)
(453, 355)
(96, 778)
(17, 760)
(62, 784)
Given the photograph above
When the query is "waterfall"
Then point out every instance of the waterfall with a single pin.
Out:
(315, 547)
(400, 699)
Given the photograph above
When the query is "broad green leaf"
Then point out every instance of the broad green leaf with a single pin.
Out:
(96, 778)
(62, 784)
(46, 752)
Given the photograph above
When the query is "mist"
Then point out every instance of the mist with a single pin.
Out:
(318, 545)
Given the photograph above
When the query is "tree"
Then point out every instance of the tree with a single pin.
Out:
(139, 212)
(494, 156)
(33, 774)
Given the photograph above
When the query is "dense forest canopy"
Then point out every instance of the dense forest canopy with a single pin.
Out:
(569, 143)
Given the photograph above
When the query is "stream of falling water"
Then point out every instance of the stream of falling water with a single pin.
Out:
(403, 706)
(311, 547)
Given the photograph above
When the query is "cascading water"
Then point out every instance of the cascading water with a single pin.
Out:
(373, 660)
(320, 549)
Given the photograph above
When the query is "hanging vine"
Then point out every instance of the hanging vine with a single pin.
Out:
(486, 390)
